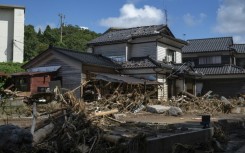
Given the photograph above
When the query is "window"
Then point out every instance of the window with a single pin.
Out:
(210, 60)
(170, 55)
(21, 83)
(118, 59)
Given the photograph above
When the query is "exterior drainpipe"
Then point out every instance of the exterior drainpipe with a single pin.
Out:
(126, 53)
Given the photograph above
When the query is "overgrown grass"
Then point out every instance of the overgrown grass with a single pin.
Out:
(10, 67)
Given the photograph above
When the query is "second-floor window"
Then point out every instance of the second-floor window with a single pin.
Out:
(210, 60)
(118, 59)
(170, 55)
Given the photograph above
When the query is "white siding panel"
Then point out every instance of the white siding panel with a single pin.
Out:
(161, 51)
(111, 50)
(143, 49)
(178, 57)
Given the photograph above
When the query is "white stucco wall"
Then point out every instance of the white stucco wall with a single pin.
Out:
(18, 43)
(11, 34)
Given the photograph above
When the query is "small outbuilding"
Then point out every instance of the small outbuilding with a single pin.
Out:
(32, 82)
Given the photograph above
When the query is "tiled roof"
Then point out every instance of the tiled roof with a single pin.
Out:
(144, 62)
(122, 79)
(221, 70)
(208, 45)
(240, 48)
(121, 35)
(185, 68)
(182, 66)
(87, 58)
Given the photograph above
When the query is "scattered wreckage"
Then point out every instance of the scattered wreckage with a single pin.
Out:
(72, 125)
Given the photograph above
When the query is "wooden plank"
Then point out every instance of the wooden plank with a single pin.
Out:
(113, 111)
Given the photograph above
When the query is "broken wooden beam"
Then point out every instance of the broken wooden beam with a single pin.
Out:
(189, 94)
(113, 111)
(42, 133)
(207, 94)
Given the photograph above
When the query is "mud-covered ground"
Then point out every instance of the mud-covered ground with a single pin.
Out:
(235, 131)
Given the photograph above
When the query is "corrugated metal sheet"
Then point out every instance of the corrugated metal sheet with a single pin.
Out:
(44, 69)
(29, 73)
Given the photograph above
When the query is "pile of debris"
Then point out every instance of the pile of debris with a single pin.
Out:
(185, 103)
(72, 125)
(69, 127)
(205, 104)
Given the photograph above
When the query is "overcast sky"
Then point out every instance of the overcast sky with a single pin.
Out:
(187, 19)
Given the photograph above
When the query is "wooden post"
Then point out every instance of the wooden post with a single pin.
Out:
(34, 113)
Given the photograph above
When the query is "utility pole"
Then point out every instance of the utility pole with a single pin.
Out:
(62, 18)
(165, 12)
(166, 16)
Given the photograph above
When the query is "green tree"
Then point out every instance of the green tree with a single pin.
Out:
(30, 42)
(74, 38)
(10, 67)
(50, 36)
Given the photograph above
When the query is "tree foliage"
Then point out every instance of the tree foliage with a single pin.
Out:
(73, 38)
(10, 67)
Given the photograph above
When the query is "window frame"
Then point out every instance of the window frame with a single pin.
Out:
(205, 60)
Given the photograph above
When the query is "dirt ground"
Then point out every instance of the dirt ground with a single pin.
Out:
(145, 117)
(186, 118)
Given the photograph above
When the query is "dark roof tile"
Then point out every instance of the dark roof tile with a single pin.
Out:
(123, 34)
(240, 48)
(144, 62)
(221, 70)
(208, 45)
(87, 58)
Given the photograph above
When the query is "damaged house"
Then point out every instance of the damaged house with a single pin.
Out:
(148, 52)
(144, 55)
(221, 62)
(73, 67)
